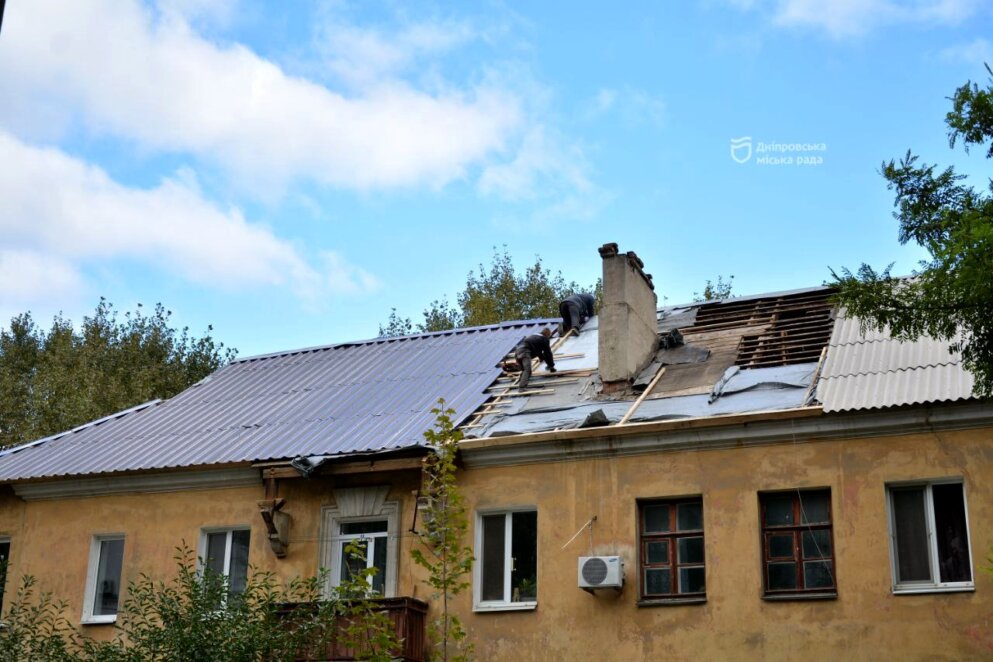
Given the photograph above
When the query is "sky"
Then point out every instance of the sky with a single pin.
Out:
(290, 172)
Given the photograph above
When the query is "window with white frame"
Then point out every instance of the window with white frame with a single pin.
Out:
(929, 533)
(506, 572)
(103, 579)
(225, 552)
(4, 561)
(361, 517)
(362, 546)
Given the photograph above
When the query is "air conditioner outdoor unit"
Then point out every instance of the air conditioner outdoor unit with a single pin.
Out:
(601, 572)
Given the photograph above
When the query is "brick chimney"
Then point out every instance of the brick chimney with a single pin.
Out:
(628, 336)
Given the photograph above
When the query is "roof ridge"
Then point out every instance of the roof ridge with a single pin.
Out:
(388, 339)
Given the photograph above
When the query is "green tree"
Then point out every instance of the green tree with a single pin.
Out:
(950, 297)
(442, 535)
(714, 290)
(194, 616)
(53, 380)
(496, 293)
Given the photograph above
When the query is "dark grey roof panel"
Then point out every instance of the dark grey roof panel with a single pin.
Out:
(351, 398)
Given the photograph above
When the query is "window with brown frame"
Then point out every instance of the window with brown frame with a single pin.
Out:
(671, 549)
(797, 544)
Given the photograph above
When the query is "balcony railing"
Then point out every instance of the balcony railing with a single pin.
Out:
(409, 619)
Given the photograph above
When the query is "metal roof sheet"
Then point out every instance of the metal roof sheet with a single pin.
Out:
(372, 396)
(874, 370)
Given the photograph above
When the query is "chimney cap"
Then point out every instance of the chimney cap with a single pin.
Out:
(608, 250)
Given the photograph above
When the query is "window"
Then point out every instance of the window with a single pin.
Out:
(371, 538)
(506, 574)
(225, 552)
(362, 516)
(671, 549)
(929, 534)
(4, 561)
(797, 545)
(103, 581)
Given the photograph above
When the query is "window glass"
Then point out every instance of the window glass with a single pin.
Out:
(216, 549)
(4, 561)
(524, 556)
(494, 529)
(779, 510)
(108, 586)
(238, 571)
(951, 533)
(911, 535)
(690, 516)
(657, 519)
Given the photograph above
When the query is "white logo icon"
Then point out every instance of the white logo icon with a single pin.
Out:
(739, 146)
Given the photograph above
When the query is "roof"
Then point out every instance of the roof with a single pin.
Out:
(370, 396)
(739, 355)
(873, 370)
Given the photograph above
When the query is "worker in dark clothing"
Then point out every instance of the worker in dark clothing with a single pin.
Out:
(575, 310)
(533, 346)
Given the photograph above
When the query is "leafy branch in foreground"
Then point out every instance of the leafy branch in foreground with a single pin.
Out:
(950, 297)
(442, 534)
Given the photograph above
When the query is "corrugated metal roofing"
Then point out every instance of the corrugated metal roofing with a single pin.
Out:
(371, 396)
(873, 370)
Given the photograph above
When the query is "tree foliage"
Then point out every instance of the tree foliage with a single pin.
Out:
(496, 293)
(950, 297)
(194, 616)
(715, 290)
(53, 380)
(442, 534)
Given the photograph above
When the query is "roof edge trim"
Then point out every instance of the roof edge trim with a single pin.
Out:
(203, 479)
(792, 426)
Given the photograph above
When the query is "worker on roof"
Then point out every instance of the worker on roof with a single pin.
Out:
(533, 346)
(575, 310)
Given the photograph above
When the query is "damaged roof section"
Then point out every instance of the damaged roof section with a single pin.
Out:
(731, 356)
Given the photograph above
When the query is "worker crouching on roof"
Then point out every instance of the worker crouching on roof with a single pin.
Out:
(532, 346)
(575, 310)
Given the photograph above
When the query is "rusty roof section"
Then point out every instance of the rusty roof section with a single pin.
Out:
(365, 397)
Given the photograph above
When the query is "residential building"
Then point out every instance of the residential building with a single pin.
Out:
(750, 478)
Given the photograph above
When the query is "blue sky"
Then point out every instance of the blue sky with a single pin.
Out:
(289, 172)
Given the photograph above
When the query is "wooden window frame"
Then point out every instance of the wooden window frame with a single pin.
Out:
(797, 529)
(671, 538)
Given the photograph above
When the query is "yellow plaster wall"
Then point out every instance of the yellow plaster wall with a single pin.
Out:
(51, 539)
(866, 621)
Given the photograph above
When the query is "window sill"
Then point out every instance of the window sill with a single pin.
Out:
(800, 597)
(512, 606)
(671, 602)
(99, 620)
(918, 590)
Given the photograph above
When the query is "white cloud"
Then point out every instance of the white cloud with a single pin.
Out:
(59, 214)
(976, 52)
(634, 106)
(364, 56)
(850, 18)
(28, 277)
(549, 180)
(158, 83)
